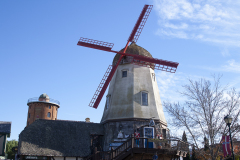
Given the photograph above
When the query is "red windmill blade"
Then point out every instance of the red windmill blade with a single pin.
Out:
(136, 59)
(142, 19)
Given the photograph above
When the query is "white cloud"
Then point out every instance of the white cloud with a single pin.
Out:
(169, 84)
(206, 20)
(178, 34)
(181, 26)
(231, 66)
(225, 52)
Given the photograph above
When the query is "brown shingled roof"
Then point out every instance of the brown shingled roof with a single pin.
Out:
(58, 138)
(133, 48)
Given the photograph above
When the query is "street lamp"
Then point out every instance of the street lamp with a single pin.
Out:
(228, 120)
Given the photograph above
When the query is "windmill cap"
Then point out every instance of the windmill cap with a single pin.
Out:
(133, 48)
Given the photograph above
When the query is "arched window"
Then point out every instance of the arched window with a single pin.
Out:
(49, 107)
(48, 114)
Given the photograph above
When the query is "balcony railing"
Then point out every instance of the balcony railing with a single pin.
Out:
(49, 100)
(173, 147)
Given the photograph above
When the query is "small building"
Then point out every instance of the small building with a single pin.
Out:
(42, 107)
(5, 131)
(59, 140)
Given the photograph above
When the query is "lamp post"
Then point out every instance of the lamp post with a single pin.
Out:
(228, 120)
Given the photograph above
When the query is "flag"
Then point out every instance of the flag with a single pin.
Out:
(226, 146)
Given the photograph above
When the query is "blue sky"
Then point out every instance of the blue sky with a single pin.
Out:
(38, 51)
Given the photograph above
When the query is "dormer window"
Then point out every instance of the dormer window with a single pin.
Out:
(144, 98)
(124, 73)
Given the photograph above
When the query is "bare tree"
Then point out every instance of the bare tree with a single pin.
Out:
(202, 113)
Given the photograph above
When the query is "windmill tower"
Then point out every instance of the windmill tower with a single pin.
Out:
(133, 92)
(133, 99)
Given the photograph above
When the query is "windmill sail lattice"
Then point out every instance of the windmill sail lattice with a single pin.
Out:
(103, 81)
(140, 23)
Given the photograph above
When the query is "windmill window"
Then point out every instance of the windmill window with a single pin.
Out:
(144, 98)
(124, 74)
(153, 76)
(48, 114)
(108, 101)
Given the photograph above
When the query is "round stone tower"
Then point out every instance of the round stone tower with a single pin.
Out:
(133, 100)
(42, 108)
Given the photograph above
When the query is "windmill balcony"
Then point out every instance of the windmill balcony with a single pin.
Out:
(133, 146)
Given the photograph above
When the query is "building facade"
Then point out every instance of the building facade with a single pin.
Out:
(5, 131)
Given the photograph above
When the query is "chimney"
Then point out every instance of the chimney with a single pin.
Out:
(87, 120)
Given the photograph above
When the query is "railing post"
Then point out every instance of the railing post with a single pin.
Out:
(132, 141)
(147, 145)
(111, 154)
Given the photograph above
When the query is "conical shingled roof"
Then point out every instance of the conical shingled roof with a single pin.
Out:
(133, 48)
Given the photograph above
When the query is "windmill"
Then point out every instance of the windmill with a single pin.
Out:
(154, 63)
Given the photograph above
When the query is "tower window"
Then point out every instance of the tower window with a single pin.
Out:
(144, 99)
(124, 73)
(49, 107)
(108, 101)
(153, 76)
(28, 115)
(48, 114)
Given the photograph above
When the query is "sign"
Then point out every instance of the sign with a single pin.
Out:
(151, 123)
(34, 157)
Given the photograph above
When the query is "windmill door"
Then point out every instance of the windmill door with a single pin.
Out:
(148, 133)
